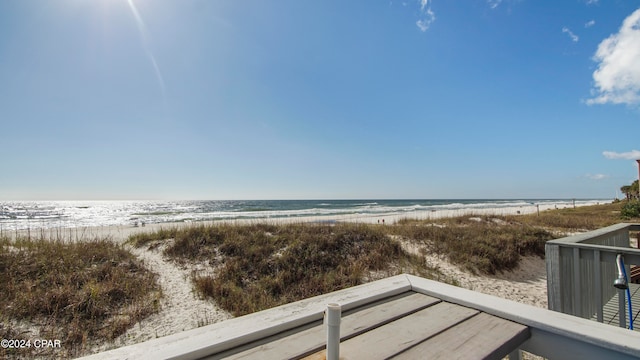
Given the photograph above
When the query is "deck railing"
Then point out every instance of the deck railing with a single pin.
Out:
(552, 335)
(581, 270)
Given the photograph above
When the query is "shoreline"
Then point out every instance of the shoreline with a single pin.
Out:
(32, 216)
(120, 233)
(182, 309)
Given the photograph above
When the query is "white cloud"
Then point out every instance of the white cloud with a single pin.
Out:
(631, 155)
(596, 176)
(592, 2)
(427, 15)
(573, 36)
(494, 3)
(617, 79)
(589, 24)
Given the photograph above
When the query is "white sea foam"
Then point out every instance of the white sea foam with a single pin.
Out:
(74, 214)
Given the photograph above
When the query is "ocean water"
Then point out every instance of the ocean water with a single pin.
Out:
(20, 215)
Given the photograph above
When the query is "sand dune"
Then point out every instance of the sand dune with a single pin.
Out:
(182, 309)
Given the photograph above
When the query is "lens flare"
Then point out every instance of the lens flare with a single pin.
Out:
(145, 44)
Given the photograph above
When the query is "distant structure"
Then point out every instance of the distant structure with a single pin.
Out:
(638, 195)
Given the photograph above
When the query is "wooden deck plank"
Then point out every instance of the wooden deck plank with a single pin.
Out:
(483, 336)
(300, 342)
(553, 335)
(397, 336)
(610, 309)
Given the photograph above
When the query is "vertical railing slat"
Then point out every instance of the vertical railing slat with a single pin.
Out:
(579, 278)
(577, 293)
(622, 314)
(554, 293)
(597, 275)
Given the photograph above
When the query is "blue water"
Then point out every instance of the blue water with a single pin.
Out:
(19, 215)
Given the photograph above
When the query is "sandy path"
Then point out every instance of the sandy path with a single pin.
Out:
(181, 309)
(526, 284)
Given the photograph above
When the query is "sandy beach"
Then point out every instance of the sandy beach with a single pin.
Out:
(119, 233)
(182, 309)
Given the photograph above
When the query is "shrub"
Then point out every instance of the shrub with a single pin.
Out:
(484, 246)
(260, 266)
(630, 210)
(74, 291)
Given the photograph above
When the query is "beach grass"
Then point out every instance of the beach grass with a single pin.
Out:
(258, 266)
(252, 267)
(265, 265)
(91, 290)
(77, 292)
(480, 244)
(578, 219)
(490, 244)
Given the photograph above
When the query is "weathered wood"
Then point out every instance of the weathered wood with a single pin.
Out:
(552, 256)
(622, 310)
(481, 337)
(296, 343)
(598, 235)
(609, 253)
(577, 293)
(218, 337)
(611, 310)
(515, 355)
(553, 335)
(566, 279)
(634, 274)
(577, 335)
(403, 333)
(597, 276)
(551, 346)
(320, 355)
(580, 267)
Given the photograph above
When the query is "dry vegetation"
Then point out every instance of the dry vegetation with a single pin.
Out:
(254, 267)
(76, 292)
(580, 219)
(479, 244)
(261, 266)
(490, 244)
(87, 291)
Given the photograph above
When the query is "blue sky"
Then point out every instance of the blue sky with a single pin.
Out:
(290, 99)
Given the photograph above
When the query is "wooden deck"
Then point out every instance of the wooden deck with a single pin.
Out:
(403, 317)
(610, 309)
(406, 326)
